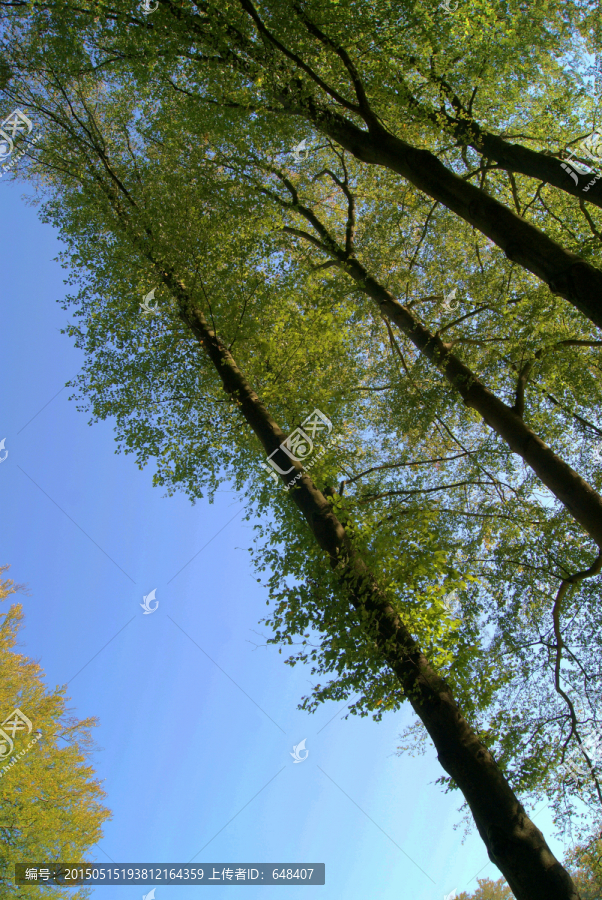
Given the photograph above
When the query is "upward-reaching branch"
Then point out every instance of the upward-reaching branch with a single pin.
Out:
(566, 583)
(564, 272)
(294, 57)
(365, 109)
(463, 126)
(579, 497)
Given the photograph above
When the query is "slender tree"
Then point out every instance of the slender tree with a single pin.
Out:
(120, 199)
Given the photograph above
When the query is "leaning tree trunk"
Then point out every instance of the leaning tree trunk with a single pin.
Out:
(513, 842)
(564, 272)
(511, 157)
(579, 497)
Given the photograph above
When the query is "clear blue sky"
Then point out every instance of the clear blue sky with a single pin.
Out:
(196, 725)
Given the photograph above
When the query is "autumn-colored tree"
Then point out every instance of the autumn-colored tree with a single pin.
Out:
(51, 805)
(7, 585)
(489, 890)
(585, 864)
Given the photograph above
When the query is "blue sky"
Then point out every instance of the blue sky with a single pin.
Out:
(196, 723)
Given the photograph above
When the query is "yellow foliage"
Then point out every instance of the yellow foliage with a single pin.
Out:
(50, 799)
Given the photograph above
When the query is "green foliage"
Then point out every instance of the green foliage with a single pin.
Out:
(166, 151)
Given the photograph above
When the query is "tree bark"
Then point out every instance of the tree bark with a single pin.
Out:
(516, 158)
(564, 272)
(579, 497)
(513, 842)
(511, 157)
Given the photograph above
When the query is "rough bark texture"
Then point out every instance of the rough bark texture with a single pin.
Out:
(513, 842)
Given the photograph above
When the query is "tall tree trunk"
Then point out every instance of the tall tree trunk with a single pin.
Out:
(511, 157)
(579, 497)
(564, 272)
(513, 842)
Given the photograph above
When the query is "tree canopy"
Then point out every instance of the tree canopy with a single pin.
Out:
(51, 803)
(488, 890)
(466, 425)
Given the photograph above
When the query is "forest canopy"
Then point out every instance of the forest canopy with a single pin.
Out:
(358, 209)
